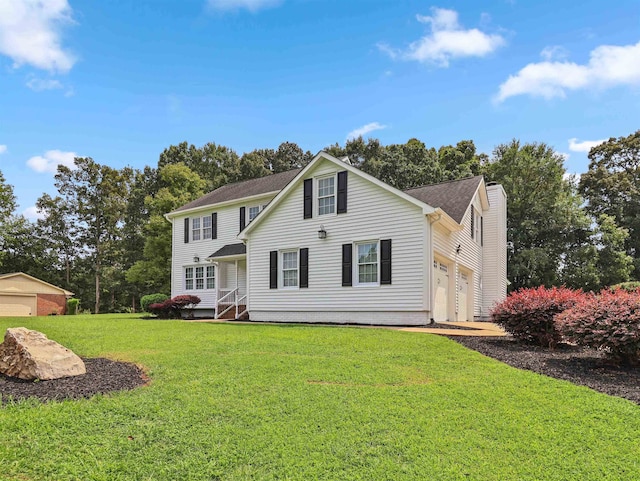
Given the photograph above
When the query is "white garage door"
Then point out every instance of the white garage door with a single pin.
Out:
(17, 306)
(441, 301)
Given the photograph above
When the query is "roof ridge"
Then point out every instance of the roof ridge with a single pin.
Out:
(445, 182)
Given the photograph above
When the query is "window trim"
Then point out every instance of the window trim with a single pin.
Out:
(194, 277)
(249, 207)
(356, 264)
(281, 268)
(200, 230)
(334, 195)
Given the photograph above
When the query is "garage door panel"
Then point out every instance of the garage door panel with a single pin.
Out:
(17, 306)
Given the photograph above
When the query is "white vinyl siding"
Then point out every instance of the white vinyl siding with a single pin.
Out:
(445, 244)
(494, 281)
(373, 213)
(183, 254)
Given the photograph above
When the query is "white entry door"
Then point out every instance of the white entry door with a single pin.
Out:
(463, 299)
(441, 298)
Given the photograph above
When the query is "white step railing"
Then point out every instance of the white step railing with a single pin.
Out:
(232, 299)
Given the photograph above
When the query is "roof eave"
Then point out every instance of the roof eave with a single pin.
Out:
(217, 205)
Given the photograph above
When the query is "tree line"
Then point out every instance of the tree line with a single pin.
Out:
(104, 237)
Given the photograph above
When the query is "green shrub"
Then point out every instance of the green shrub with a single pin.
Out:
(627, 286)
(72, 306)
(149, 299)
(609, 321)
(528, 314)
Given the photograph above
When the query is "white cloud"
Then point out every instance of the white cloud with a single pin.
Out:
(30, 33)
(3, 148)
(50, 161)
(554, 52)
(38, 85)
(251, 5)
(33, 213)
(446, 40)
(584, 146)
(608, 66)
(365, 129)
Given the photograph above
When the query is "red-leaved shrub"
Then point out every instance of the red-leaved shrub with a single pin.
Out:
(528, 314)
(609, 321)
(173, 308)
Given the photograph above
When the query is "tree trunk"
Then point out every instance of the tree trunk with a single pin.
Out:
(97, 308)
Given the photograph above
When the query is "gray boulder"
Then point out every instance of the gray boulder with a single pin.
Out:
(30, 355)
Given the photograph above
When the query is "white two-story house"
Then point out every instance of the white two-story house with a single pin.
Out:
(330, 243)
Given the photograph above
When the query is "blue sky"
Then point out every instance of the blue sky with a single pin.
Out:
(121, 80)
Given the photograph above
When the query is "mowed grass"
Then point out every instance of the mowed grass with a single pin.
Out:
(267, 402)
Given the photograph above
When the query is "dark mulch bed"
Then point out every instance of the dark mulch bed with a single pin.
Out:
(103, 376)
(582, 366)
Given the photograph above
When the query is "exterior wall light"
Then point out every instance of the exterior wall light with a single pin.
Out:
(196, 259)
(322, 234)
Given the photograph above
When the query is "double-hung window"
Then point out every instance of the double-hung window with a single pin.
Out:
(195, 229)
(188, 278)
(326, 195)
(211, 277)
(367, 263)
(290, 269)
(206, 227)
(253, 212)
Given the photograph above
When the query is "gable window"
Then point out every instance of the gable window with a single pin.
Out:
(199, 278)
(326, 195)
(195, 229)
(290, 269)
(367, 263)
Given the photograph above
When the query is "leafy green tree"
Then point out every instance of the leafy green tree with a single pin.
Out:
(180, 185)
(540, 210)
(611, 186)
(614, 264)
(96, 196)
(289, 156)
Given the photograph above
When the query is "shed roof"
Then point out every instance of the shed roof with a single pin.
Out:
(229, 250)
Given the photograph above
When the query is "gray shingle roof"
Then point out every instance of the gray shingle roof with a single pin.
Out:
(247, 188)
(229, 250)
(453, 197)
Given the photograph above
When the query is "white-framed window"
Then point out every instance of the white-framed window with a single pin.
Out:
(478, 226)
(327, 195)
(195, 229)
(188, 278)
(199, 277)
(211, 277)
(254, 211)
(290, 268)
(206, 227)
(367, 263)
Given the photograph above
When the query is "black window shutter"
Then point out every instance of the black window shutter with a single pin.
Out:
(481, 231)
(214, 225)
(308, 198)
(347, 271)
(273, 270)
(342, 192)
(385, 261)
(304, 267)
(243, 218)
(473, 218)
(186, 230)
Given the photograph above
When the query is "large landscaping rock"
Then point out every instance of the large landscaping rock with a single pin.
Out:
(30, 355)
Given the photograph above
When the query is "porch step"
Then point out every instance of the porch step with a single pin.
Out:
(231, 313)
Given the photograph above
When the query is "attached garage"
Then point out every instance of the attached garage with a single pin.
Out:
(441, 291)
(22, 295)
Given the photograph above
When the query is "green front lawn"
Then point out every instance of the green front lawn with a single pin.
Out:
(248, 402)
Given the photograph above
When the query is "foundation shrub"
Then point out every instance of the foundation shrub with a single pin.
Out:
(175, 308)
(528, 314)
(609, 321)
(72, 306)
(157, 298)
(627, 286)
